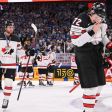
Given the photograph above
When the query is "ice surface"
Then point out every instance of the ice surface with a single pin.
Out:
(55, 99)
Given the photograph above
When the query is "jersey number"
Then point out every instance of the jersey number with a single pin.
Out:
(77, 21)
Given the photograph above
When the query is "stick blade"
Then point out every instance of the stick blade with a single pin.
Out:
(34, 27)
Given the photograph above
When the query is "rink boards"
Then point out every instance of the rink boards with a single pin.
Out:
(66, 74)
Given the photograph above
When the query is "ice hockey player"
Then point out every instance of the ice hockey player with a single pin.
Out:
(51, 65)
(23, 59)
(42, 63)
(88, 34)
(9, 45)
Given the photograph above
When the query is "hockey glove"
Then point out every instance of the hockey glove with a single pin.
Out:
(30, 52)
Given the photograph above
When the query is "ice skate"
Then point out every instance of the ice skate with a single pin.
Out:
(49, 83)
(24, 83)
(76, 82)
(30, 84)
(5, 104)
(41, 83)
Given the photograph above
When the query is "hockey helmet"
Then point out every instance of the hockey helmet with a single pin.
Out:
(52, 47)
(42, 49)
(99, 9)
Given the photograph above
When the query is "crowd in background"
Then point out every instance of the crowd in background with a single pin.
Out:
(109, 18)
(53, 21)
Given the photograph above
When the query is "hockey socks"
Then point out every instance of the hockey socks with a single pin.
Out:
(98, 93)
(50, 79)
(42, 78)
(7, 91)
(89, 98)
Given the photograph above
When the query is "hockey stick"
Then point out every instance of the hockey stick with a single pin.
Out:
(35, 29)
(23, 79)
(74, 87)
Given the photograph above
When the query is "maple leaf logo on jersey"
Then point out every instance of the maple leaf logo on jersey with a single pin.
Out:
(3, 50)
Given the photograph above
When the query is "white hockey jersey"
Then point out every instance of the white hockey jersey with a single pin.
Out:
(23, 59)
(80, 32)
(8, 54)
(52, 58)
(43, 62)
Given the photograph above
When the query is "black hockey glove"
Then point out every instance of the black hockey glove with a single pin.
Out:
(30, 52)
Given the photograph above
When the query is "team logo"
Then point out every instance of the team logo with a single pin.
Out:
(7, 50)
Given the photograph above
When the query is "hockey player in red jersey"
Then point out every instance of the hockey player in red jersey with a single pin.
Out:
(9, 45)
(88, 34)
